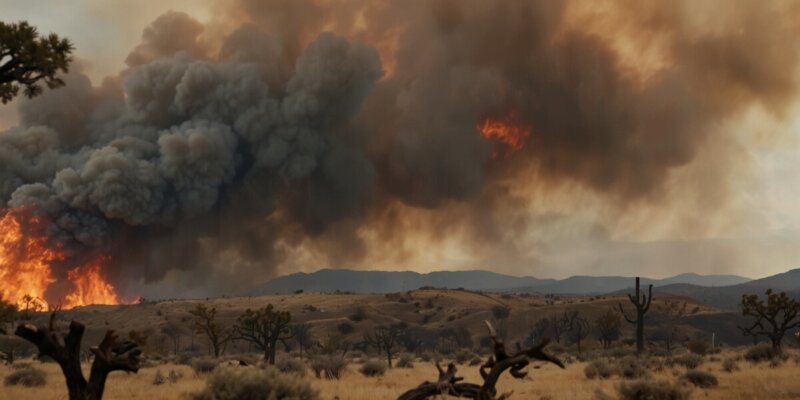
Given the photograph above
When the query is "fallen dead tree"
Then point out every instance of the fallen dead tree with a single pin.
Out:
(109, 356)
(450, 384)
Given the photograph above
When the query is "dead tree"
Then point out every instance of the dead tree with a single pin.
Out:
(642, 304)
(109, 356)
(452, 385)
(383, 339)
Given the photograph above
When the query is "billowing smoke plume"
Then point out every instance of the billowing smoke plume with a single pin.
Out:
(288, 133)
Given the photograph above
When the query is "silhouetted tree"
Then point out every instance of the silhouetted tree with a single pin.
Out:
(771, 319)
(8, 313)
(301, 333)
(65, 349)
(264, 328)
(557, 327)
(642, 304)
(205, 323)
(383, 339)
(608, 327)
(673, 312)
(26, 59)
(174, 331)
(577, 327)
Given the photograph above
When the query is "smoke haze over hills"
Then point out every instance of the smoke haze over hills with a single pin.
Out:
(267, 137)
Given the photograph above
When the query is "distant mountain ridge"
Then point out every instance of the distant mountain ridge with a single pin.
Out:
(729, 297)
(346, 280)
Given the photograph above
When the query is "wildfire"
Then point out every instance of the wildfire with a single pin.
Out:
(509, 132)
(27, 259)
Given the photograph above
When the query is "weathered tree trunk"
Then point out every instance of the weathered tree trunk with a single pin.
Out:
(642, 304)
(109, 356)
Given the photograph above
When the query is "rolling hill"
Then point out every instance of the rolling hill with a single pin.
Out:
(345, 280)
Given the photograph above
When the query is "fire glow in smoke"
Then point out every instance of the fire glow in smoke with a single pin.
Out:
(508, 132)
(27, 261)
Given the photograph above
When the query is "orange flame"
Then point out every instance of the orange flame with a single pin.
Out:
(26, 261)
(90, 286)
(509, 132)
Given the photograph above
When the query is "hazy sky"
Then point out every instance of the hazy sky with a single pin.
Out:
(729, 206)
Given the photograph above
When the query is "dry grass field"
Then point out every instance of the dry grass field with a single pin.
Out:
(752, 381)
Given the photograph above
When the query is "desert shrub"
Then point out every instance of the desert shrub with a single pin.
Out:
(632, 368)
(729, 365)
(598, 369)
(690, 361)
(227, 383)
(345, 328)
(475, 361)
(427, 356)
(204, 365)
(359, 315)
(26, 377)
(463, 355)
(174, 376)
(500, 312)
(698, 346)
(21, 365)
(619, 352)
(291, 366)
(373, 368)
(760, 353)
(405, 361)
(329, 366)
(651, 390)
(159, 378)
(775, 362)
(701, 379)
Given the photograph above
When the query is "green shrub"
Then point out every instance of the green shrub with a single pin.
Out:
(700, 378)
(26, 377)
(475, 361)
(228, 383)
(651, 390)
(598, 369)
(373, 368)
(328, 366)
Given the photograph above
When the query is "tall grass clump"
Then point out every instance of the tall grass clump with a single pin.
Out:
(598, 369)
(651, 390)
(328, 366)
(28, 377)
(228, 383)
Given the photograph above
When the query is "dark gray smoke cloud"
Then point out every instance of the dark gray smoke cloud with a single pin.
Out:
(226, 159)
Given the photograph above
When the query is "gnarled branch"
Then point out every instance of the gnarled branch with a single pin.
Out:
(448, 383)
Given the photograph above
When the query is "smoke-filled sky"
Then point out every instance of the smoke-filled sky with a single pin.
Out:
(208, 146)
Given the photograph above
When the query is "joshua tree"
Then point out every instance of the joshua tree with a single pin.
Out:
(771, 319)
(205, 322)
(642, 304)
(26, 58)
(608, 326)
(383, 339)
(448, 383)
(264, 328)
(109, 356)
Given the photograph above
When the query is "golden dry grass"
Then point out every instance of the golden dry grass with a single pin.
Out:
(751, 382)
